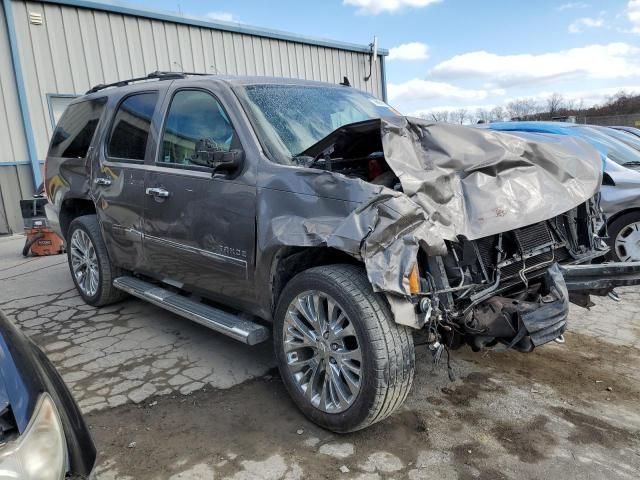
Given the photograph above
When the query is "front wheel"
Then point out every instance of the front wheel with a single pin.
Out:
(91, 268)
(342, 358)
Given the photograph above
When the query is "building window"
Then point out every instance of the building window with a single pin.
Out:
(58, 103)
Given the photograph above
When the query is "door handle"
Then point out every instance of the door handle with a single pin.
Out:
(102, 181)
(157, 192)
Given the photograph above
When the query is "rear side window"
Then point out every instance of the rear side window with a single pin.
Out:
(72, 137)
(131, 124)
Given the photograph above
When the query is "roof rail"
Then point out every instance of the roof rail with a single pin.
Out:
(157, 75)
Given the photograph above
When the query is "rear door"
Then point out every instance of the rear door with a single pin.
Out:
(199, 230)
(118, 180)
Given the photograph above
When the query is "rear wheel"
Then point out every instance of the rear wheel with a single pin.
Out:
(343, 359)
(91, 268)
(624, 238)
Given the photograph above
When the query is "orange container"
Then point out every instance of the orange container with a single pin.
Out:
(42, 241)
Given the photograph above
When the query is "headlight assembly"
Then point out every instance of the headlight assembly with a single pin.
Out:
(40, 452)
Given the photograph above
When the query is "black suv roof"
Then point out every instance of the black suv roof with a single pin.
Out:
(229, 79)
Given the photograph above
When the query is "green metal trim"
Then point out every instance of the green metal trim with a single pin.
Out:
(215, 24)
(22, 93)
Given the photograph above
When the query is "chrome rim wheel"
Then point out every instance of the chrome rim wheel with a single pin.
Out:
(84, 263)
(627, 244)
(322, 351)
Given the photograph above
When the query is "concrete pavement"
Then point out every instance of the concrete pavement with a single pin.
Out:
(166, 398)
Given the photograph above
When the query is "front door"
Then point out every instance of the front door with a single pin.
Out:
(199, 230)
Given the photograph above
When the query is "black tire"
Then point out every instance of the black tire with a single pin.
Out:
(388, 357)
(617, 226)
(106, 293)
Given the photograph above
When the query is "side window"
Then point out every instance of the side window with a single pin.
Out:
(131, 124)
(72, 137)
(196, 128)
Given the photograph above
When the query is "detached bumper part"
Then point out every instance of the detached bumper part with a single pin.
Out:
(549, 321)
(521, 324)
(600, 279)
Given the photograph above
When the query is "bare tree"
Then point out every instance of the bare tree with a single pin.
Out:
(460, 115)
(441, 116)
(554, 103)
(482, 116)
(523, 108)
(497, 114)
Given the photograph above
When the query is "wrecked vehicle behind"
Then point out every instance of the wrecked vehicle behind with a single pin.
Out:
(242, 202)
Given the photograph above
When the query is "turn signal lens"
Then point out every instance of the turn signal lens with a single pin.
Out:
(414, 280)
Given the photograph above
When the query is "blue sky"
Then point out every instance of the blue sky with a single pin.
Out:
(466, 53)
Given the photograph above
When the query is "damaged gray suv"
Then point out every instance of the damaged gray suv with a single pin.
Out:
(315, 213)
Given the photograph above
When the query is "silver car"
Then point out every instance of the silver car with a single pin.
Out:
(621, 182)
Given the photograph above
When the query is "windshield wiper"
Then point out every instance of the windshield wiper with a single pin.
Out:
(632, 163)
(303, 160)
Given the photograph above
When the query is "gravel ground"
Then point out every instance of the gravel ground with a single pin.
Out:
(169, 399)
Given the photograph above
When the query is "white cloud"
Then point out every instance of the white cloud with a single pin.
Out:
(417, 90)
(375, 7)
(633, 12)
(579, 25)
(571, 5)
(409, 51)
(224, 16)
(611, 61)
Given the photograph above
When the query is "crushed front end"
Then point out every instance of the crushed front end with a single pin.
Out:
(474, 236)
(507, 288)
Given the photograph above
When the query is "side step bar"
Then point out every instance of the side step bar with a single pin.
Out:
(228, 324)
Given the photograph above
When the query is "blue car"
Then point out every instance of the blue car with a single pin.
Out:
(42, 433)
(620, 185)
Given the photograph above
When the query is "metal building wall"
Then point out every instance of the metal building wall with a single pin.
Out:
(15, 172)
(76, 48)
(81, 43)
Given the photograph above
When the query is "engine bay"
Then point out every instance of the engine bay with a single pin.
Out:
(482, 292)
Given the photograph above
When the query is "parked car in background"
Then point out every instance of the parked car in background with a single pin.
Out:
(620, 187)
(623, 136)
(42, 433)
(631, 130)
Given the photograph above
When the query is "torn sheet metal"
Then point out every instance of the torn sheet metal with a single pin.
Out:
(455, 181)
(475, 183)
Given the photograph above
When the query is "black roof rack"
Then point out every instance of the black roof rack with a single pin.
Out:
(152, 76)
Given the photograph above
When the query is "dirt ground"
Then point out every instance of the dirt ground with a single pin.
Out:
(562, 412)
(168, 399)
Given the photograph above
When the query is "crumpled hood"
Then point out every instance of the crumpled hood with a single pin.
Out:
(476, 183)
(456, 181)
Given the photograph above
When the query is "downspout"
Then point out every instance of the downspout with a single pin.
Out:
(383, 74)
(22, 94)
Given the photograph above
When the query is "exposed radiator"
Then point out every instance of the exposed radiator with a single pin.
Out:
(527, 239)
